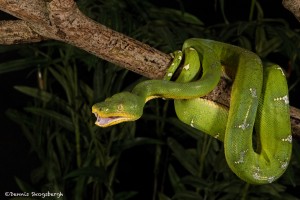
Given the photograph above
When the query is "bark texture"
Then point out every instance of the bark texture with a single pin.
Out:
(293, 6)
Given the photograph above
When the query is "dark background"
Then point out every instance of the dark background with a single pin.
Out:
(15, 157)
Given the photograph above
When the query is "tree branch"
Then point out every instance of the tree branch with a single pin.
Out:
(17, 32)
(293, 6)
(62, 20)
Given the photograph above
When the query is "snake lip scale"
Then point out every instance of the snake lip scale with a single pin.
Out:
(108, 121)
(101, 121)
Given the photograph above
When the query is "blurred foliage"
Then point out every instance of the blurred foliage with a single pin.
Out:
(157, 157)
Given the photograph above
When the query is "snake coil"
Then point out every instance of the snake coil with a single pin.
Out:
(259, 102)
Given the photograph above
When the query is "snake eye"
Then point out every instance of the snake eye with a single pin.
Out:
(120, 107)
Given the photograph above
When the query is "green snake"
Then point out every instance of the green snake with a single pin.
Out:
(259, 103)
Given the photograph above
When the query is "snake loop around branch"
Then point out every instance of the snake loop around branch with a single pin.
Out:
(259, 102)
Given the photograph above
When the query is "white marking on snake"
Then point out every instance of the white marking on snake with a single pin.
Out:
(187, 67)
(192, 49)
(271, 179)
(170, 74)
(288, 139)
(256, 175)
(242, 156)
(284, 98)
(179, 57)
(245, 125)
(284, 165)
(217, 135)
(282, 72)
(253, 92)
(192, 123)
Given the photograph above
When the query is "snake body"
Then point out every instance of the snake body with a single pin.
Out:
(259, 102)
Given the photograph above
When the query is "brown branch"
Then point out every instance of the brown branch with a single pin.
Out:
(293, 6)
(61, 20)
(17, 32)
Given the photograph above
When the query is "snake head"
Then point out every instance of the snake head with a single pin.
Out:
(121, 107)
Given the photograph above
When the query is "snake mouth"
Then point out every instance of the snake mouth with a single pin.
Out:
(108, 121)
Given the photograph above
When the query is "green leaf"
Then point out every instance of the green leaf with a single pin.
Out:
(196, 182)
(187, 195)
(222, 6)
(245, 42)
(43, 96)
(87, 91)
(125, 195)
(175, 179)
(260, 38)
(162, 196)
(91, 171)
(21, 119)
(23, 198)
(229, 186)
(8, 48)
(61, 79)
(176, 15)
(186, 128)
(273, 189)
(25, 187)
(35, 92)
(20, 64)
(121, 145)
(59, 118)
(270, 46)
(186, 159)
